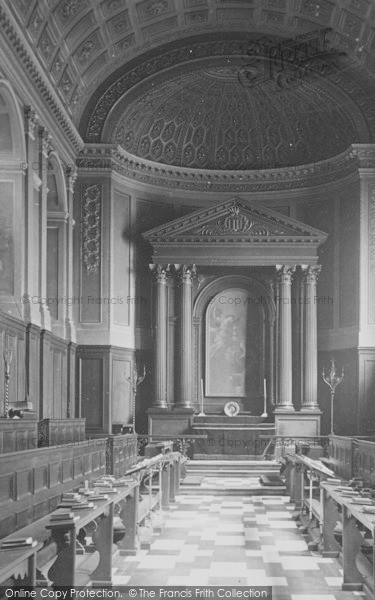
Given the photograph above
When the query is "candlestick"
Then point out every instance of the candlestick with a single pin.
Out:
(264, 413)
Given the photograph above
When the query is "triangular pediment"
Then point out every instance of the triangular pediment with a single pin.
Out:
(234, 221)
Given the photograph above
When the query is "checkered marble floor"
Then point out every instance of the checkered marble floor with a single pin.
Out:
(239, 540)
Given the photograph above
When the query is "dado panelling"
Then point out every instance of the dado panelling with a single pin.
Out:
(32, 481)
(54, 385)
(105, 392)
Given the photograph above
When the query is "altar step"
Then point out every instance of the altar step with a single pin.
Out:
(232, 478)
(233, 467)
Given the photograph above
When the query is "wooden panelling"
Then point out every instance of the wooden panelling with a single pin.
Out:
(341, 452)
(18, 434)
(121, 454)
(54, 432)
(32, 481)
(105, 393)
(366, 461)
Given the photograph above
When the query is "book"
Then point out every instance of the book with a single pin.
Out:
(77, 505)
(367, 501)
(18, 540)
(99, 496)
(369, 510)
(62, 514)
(8, 545)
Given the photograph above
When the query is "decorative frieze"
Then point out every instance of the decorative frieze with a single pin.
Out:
(91, 227)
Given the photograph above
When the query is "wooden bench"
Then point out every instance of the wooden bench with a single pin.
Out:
(60, 556)
(18, 566)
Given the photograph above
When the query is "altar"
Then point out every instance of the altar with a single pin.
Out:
(231, 438)
(227, 327)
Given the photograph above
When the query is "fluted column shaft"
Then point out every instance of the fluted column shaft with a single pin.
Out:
(161, 301)
(186, 274)
(285, 337)
(310, 396)
(271, 383)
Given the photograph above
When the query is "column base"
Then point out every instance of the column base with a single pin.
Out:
(310, 407)
(297, 424)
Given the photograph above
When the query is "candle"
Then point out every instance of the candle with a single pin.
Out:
(264, 414)
(202, 394)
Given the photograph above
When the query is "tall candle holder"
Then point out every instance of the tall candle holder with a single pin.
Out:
(332, 380)
(202, 413)
(7, 356)
(135, 380)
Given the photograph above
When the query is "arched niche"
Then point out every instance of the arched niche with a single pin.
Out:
(12, 170)
(231, 322)
(57, 215)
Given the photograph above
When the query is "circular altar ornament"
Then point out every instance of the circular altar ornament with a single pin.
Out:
(231, 409)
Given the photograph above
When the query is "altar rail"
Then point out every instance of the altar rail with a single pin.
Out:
(32, 481)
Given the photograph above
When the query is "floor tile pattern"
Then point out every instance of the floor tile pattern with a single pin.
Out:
(251, 541)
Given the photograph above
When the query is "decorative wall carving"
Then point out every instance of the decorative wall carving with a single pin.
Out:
(238, 223)
(91, 227)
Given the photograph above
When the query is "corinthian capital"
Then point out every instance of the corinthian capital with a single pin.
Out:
(185, 273)
(159, 272)
(311, 273)
(285, 273)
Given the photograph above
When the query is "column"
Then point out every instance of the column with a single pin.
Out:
(71, 175)
(45, 148)
(161, 301)
(186, 274)
(271, 372)
(284, 400)
(310, 388)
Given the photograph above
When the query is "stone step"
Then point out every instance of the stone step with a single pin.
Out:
(233, 491)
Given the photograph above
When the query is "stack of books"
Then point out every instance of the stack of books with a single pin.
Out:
(19, 542)
(124, 481)
(74, 501)
(63, 514)
(333, 480)
(105, 486)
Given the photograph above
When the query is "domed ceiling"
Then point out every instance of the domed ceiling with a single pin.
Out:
(207, 119)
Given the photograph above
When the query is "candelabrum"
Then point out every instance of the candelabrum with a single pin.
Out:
(135, 380)
(332, 380)
(7, 355)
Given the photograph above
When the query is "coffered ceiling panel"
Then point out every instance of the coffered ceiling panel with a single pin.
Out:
(79, 43)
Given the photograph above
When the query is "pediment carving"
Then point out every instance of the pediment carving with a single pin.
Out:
(237, 222)
(234, 220)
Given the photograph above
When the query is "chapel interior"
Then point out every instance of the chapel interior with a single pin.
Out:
(187, 281)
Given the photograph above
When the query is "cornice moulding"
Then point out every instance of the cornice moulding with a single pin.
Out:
(20, 49)
(107, 157)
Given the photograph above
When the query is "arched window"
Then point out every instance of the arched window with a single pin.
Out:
(57, 214)
(12, 168)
